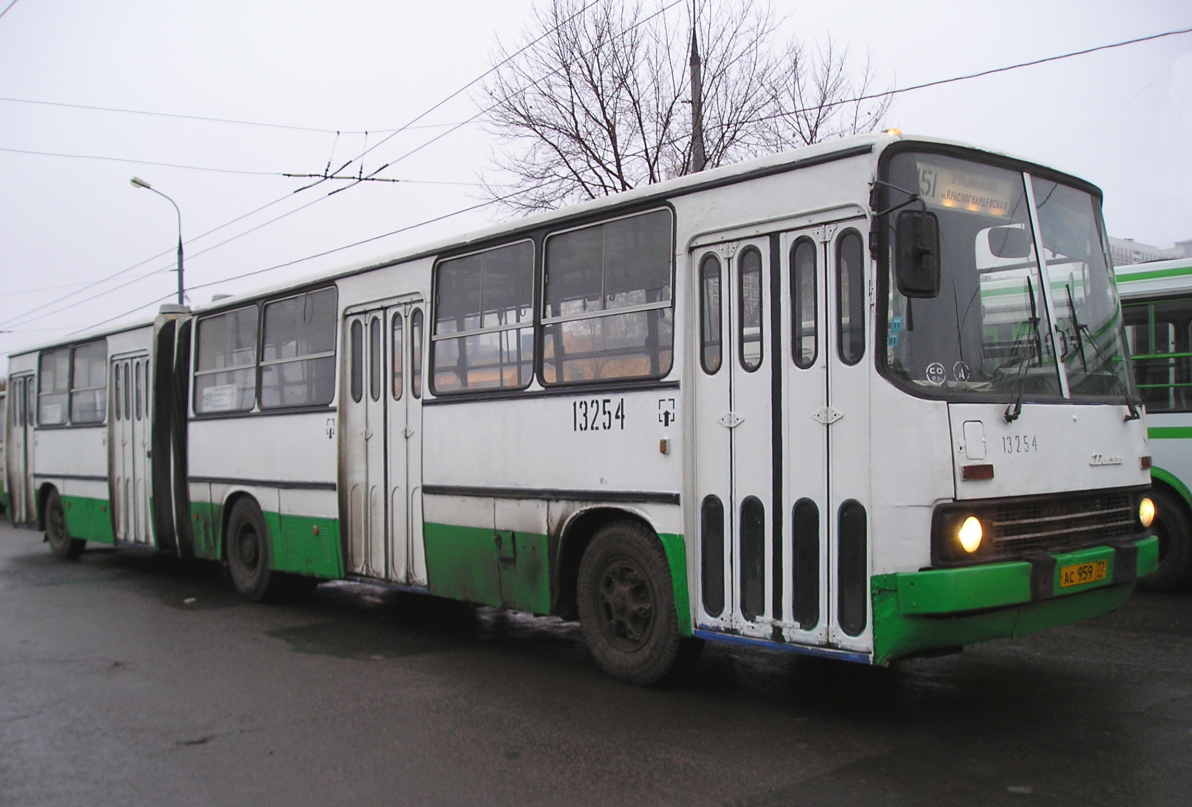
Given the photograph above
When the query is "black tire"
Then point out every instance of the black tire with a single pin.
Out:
(627, 607)
(57, 536)
(249, 554)
(1174, 529)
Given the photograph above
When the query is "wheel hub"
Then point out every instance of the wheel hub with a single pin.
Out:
(248, 548)
(626, 604)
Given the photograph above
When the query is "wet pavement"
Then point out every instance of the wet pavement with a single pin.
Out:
(132, 679)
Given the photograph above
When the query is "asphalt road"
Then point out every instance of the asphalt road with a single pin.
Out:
(131, 679)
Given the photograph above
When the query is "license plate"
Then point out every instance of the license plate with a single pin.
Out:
(1082, 573)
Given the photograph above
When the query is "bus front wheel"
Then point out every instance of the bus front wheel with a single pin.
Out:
(57, 535)
(1175, 543)
(627, 608)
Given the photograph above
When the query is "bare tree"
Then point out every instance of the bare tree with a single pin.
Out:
(600, 102)
(818, 97)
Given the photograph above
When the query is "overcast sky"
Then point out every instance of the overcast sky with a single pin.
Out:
(1119, 118)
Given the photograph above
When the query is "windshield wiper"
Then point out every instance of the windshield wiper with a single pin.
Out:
(1076, 321)
(1015, 409)
(1133, 410)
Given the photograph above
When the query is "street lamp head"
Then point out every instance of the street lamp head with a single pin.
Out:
(137, 182)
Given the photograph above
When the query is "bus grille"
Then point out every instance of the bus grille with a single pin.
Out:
(1062, 523)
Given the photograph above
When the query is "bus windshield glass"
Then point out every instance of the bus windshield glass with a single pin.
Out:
(986, 335)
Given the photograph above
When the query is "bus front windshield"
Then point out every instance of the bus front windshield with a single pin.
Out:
(988, 334)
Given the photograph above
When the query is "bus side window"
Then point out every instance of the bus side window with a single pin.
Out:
(357, 380)
(710, 316)
(712, 554)
(398, 353)
(750, 278)
(850, 298)
(416, 353)
(116, 390)
(488, 298)
(226, 362)
(53, 379)
(804, 312)
(298, 351)
(374, 358)
(607, 311)
(88, 387)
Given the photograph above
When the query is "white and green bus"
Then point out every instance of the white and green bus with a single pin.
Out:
(1157, 306)
(821, 402)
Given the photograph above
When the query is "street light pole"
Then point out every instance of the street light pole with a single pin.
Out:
(137, 182)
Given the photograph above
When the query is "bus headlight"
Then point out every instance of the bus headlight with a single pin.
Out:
(970, 534)
(1146, 511)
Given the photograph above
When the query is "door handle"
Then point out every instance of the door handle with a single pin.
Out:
(827, 415)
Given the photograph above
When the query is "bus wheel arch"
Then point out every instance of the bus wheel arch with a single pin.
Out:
(1173, 525)
(575, 536)
(42, 498)
(247, 549)
(53, 518)
(626, 601)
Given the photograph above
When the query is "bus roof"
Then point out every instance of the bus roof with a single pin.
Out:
(1154, 278)
(761, 166)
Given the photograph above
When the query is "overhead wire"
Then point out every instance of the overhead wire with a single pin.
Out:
(489, 72)
(114, 275)
(524, 48)
(180, 116)
(287, 174)
(408, 125)
(296, 261)
(969, 76)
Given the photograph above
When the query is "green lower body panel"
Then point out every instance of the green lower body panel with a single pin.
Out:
(299, 544)
(462, 563)
(88, 519)
(510, 569)
(676, 558)
(941, 608)
(306, 545)
(204, 521)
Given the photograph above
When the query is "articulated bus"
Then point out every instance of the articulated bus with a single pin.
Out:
(866, 400)
(1157, 306)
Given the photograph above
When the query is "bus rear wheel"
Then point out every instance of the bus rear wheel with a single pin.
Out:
(57, 535)
(627, 608)
(248, 553)
(1175, 544)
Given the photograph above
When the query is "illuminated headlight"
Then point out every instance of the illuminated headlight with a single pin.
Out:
(970, 533)
(1146, 512)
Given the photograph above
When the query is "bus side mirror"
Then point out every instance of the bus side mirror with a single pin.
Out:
(917, 259)
(1010, 242)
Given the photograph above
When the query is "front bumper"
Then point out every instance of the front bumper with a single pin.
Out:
(942, 608)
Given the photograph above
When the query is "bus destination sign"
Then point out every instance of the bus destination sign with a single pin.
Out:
(986, 194)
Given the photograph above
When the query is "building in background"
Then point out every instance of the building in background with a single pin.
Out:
(1126, 251)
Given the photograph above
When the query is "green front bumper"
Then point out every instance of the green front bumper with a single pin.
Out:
(941, 608)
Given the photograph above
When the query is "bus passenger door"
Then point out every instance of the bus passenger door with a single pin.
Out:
(407, 561)
(734, 439)
(826, 394)
(19, 453)
(129, 446)
(808, 416)
(362, 435)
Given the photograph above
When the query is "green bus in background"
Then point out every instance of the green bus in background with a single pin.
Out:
(1157, 306)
